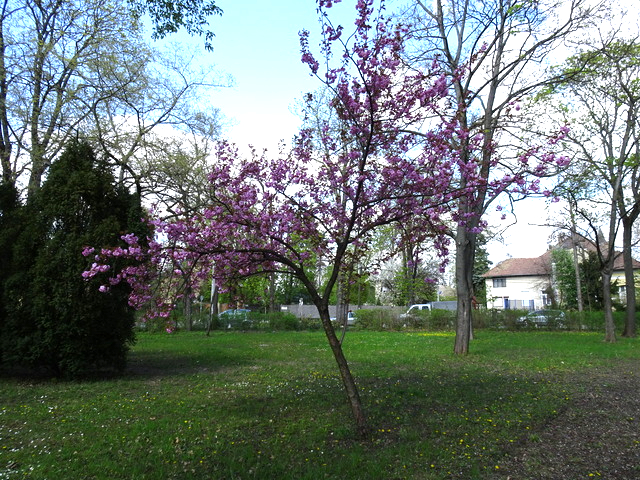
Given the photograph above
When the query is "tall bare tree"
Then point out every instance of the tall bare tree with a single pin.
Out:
(52, 51)
(508, 43)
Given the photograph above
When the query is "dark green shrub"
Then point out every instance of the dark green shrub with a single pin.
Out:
(378, 319)
(311, 324)
(441, 320)
(283, 321)
(275, 321)
(53, 317)
(593, 320)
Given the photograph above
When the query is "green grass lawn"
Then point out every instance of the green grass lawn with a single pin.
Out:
(271, 406)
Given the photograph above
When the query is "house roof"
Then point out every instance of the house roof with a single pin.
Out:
(539, 266)
(518, 267)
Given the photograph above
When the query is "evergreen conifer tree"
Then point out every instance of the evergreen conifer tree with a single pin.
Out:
(53, 317)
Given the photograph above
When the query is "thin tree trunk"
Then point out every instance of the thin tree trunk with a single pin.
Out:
(576, 264)
(345, 373)
(630, 287)
(341, 301)
(188, 311)
(609, 326)
(5, 137)
(576, 268)
(213, 308)
(272, 293)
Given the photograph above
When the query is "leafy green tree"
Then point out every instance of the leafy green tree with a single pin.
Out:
(53, 317)
(565, 277)
(169, 17)
(600, 97)
(290, 290)
(592, 281)
(409, 285)
(357, 290)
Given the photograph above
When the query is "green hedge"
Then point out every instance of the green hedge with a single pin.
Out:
(385, 319)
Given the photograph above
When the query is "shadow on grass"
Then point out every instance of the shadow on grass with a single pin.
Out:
(143, 364)
(155, 364)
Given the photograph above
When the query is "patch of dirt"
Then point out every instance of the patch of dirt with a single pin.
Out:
(597, 435)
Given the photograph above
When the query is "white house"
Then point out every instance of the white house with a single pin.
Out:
(519, 283)
(525, 283)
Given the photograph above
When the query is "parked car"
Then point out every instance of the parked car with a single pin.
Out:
(543, 318)
(415, 308)
(351, 318)
(235, 318)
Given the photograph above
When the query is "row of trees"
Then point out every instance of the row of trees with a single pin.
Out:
(600, 96)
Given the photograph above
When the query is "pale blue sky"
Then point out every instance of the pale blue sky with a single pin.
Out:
(257, 43)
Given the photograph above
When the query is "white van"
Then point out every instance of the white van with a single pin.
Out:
(415, 308)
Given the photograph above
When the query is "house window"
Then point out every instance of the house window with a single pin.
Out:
(545, 298)
(622, 293)
(499, 282)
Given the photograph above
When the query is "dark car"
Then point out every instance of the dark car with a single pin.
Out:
(238, 312)
(543, 318)
(235, 318)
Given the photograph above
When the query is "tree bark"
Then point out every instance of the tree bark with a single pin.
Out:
(213, 308)
(272, 293)
(5, 137)
(465, 253)
(188, 311)
(576, 263)
(342, 303)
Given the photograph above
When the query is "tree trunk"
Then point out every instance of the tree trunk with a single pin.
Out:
(411, 273)
(576, 269)
(341, 301)
(188, 311)
(345, 373)
(213, 308)
(272, 293)
(465, 252)
(5, 137)
(630, 287)
(609, 326)
(576, 264)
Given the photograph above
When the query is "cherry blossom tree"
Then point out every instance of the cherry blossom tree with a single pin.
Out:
(322, 200)
(310, 204)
